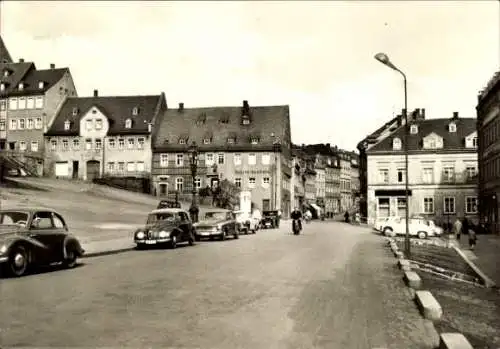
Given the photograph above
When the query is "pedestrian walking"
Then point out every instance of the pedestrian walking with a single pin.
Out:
(472, 238)
(465, 226)
(457, 228)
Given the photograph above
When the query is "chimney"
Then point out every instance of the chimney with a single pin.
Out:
(21, 60)
(96, 93)
(455, 115)
(181, 106)
(52, 66)
(422, 113)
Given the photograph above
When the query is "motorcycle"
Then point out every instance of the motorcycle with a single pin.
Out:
(296, 227)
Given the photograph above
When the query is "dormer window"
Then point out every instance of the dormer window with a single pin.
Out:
(413, 129)
(452, 127)
(6, 72)
(245, 121)
(207, 140)
(67, 125)
(202, 118)
(182, 141)
(396, 144)
(135, 111)
(128, 123)
(231, 140)
(41, 84)
(224, 119)
(75, 111)
(254, 140)
(2, 87)
(21, 86)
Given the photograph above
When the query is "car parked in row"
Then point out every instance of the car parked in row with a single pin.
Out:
(32, 237)
(217, 223)
(418, 227)
(165, 226)
(247, 222)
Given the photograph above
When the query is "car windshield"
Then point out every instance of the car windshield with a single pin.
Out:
(13, 217)
(215, 216)
(157, 217)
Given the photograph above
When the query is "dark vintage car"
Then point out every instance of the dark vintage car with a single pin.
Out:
(168, 204)
(218, 223)
(166, 226)
(270, 219)
(35, 236)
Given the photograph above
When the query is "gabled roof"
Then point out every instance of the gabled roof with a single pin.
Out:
(117, 109)
(17, 72)
(4, 53)
(267, 123)
(31, 81)
(452, 141)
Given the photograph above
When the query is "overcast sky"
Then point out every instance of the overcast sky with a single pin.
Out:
(315, 56)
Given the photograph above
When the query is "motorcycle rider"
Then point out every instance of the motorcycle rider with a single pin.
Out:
(297, 215)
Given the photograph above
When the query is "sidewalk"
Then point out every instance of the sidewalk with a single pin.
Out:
(486, 255)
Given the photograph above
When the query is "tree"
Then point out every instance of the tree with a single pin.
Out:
(204, 193)
(226, 195)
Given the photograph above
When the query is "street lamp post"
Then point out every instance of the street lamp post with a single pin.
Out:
(384, 59)
(193, 151)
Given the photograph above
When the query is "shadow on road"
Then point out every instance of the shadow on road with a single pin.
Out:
(39, 270)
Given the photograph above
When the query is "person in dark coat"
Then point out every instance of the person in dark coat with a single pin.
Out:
(465, 226)
(346, 216)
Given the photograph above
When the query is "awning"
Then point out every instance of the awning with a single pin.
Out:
(316, 207)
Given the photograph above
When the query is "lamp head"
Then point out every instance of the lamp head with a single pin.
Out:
(384, 59)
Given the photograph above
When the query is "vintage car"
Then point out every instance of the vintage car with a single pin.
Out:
(270, 219)
(247, 222)
(168, 204)
(218, 223)
(35, 236)
(165, 226)
(420, 228)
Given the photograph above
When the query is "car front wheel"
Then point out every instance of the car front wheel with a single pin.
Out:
(173, 242)
(18, 261)
(71, 258)
(388, 232)
(422, 235)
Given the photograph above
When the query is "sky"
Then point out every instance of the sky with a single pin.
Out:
(317, 57)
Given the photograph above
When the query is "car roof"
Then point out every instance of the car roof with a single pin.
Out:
(168, 210)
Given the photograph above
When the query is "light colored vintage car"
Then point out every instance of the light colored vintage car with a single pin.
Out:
(248, 223)
(419, 227)
(217, 223)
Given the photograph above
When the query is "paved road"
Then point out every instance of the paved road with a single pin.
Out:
(333, 287)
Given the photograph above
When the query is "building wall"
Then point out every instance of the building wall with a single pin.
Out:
(320, 185)
(345, 185)
(463, 184)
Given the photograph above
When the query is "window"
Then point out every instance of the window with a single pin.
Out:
(34, 146)
(254, 140)
(39, 102)
(88, 144)
(182, 141)
(252, 159)
(2, 87)
(30, 103)
(38, 123)
(251, 182)
(413, 129)
(197, 183)
(111, 143)
(140, 166)
(13, 124)
(230, 140)
(30, 124)
(66, 125)
(22, 145)
(140, 143)
(265, 182)
(266, 159)
(452, 127)
(121, 143)
(98, 124)
(474, 142)
(75, 111)
(111, 166)
(448, 174)
(209, 159)
(396, 144)
(130, 166)
(206, 141)
(121, 166)
(20, 86)
(179, 184)
(220, 159)
(471, 204)
(401, 175)
(22, 103)
(13, 103)
(53, 144)
(237, 159)
(471, 171)
(179, 160)
(22, 124)
(131, 143)
(163, 160)
(128, 123)
(428, 175)
(98, 144)
(3, 105)
(237, 182)
(65, 144)
(2, 125)
(449, 205)
(135, 111)
(429, 205)
(383, 175)
(40, 85)
(89, 125)
(76, 143)
(383, 208)
(246, 121)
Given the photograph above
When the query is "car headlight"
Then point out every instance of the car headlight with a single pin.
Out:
(140, 235)
(163, 234)
(3, 249)
(219, 227)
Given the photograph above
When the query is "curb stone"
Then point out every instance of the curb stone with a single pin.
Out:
(108, 252)
(453, 341)
(486, 280)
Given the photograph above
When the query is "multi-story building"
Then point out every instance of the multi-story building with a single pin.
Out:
(249, 146)
(29, 100)
(332, 186)
(310, 184)
(320, 169)
(488, 127)
(99, 136)
(4, 53)
(345, 181)
(355, 194)
(442, 170)
(298, 181)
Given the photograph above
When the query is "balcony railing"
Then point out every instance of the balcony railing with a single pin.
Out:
(456, 178)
